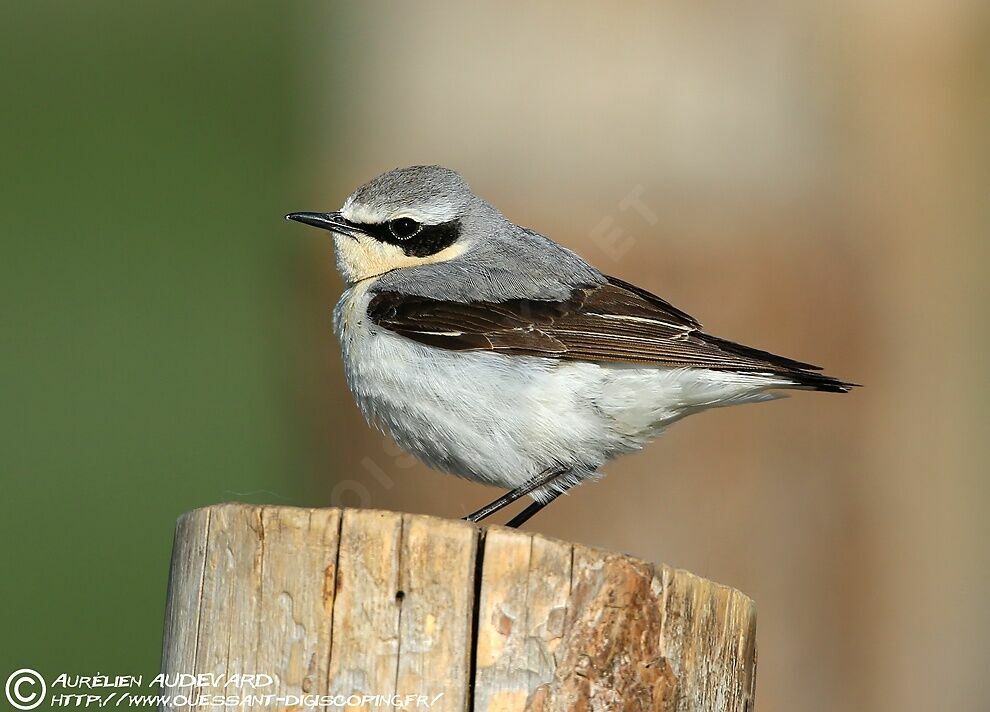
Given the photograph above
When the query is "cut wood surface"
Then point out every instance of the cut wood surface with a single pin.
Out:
(364, 609)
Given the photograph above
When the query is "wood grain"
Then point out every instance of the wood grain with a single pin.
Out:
(428, 613)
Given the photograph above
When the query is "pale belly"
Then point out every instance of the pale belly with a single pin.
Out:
(502, 420)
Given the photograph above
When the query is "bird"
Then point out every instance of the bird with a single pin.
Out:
(496, 354)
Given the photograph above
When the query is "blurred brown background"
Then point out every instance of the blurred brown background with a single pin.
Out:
(808, 178)
(803, 178)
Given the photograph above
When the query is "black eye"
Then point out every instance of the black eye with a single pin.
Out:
(404, 228)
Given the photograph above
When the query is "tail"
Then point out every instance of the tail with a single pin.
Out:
(821, 382)
(802, 375)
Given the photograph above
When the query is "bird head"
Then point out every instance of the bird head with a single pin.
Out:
(404, 218)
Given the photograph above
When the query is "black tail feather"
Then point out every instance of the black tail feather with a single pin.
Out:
(819, 382)
(803, 374)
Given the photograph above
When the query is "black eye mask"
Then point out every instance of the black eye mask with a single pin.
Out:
(428, 240)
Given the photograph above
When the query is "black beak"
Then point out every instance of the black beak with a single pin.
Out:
(326, 221)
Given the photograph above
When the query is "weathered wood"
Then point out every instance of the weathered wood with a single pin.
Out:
(356, 603)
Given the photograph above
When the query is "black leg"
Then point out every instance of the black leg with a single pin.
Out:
(510, 497)
(527, 514)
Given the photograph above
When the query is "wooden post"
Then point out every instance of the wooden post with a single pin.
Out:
(352, 603)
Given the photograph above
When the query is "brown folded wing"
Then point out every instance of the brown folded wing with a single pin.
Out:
(611, 322)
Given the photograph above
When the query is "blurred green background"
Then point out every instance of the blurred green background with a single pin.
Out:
(817, 179)
(148, 159)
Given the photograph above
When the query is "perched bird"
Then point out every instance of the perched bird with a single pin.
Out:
(493, 353)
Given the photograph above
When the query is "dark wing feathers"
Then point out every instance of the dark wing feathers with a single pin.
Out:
(614, 322)
(634, 296)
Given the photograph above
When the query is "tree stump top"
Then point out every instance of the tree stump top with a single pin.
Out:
(354, 603)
